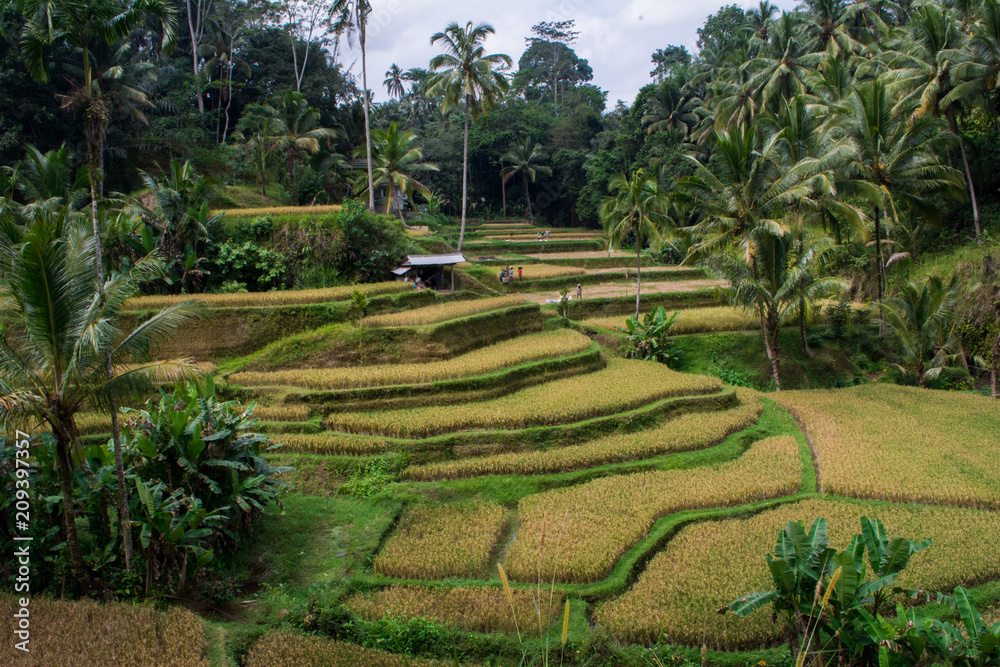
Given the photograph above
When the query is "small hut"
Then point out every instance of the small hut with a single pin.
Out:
(429, 269)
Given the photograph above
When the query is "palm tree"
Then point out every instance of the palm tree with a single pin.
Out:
(394, 81)
(671, 108)
(57, 362)
(222, 53)
(82, 25)
(525, 159)
(895, 163)
(397, 161)
(923, 72)
(635, 206)
(51, 175)
(923, 321)
(772, 284)
(782, 66)
(748, 189)
(353, 18)
(297, 131)
(466, 74)
(978, 65)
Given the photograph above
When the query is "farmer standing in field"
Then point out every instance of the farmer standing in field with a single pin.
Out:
(519, 273)
(579, 292)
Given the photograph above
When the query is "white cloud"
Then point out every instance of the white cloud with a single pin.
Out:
(617, 38)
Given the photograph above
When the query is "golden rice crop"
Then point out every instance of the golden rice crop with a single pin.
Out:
(281, 413)
(903, 443)
(690, 431)
(442, 312)
(442, 541)
(544, 345)
(93, 422)
(624, 385)
(276, 298)
(708, 565)
(598, 521)
(693, 320)
(115, 634)
(278, 211)
(286, 649)
(332, 443)
(474, 609)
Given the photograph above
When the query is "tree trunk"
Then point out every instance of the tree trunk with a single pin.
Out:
(64, 466)
(123, 514)
(195, 33)
(527, 199)
(802, 326)
(229, 95)
(503, 196)
(465, 174)
(968, 174)
(638, 274)
(368, 130)
(878, 261)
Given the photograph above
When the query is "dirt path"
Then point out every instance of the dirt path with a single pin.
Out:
(628, 289)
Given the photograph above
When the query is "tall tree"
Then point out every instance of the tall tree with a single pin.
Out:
(352, 18)
(394, 81)
(924, 323)
(56, 364)
(197, 20)
(306, 22)
(525, 159)
(398, 162)
(635, 206)
(466, 74)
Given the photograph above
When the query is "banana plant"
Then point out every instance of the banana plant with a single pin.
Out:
(910, 639)
(650, 338)
(822, 593)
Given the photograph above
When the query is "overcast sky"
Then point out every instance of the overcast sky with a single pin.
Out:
(617, 37)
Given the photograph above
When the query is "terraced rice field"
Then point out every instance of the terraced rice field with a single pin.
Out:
(116, 634)
(442, 312)
(577, 534)
(611, 289)
(687, 432)
(624, 385)
(903, 444)
(442, 541)
(707, 565)
(544, 345)
(693, 320)
(262, 299)
(287, 649)
(475, 609)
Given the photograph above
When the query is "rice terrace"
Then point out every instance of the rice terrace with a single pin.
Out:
(502, 361)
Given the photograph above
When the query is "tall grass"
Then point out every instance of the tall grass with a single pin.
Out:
(278, 211)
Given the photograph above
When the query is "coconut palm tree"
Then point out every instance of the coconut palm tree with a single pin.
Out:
(51, 175)
(772, 284)
(635, 206)
(896, 160)
(978, 63)
(297, 131)
(221, 49)
(671, 108)
(924, 324)
(525, 159)
(466, 74)
(352, 18)
(922, 75)
(394, 82)
(57, 362)
(397, 162)
(81, 25)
